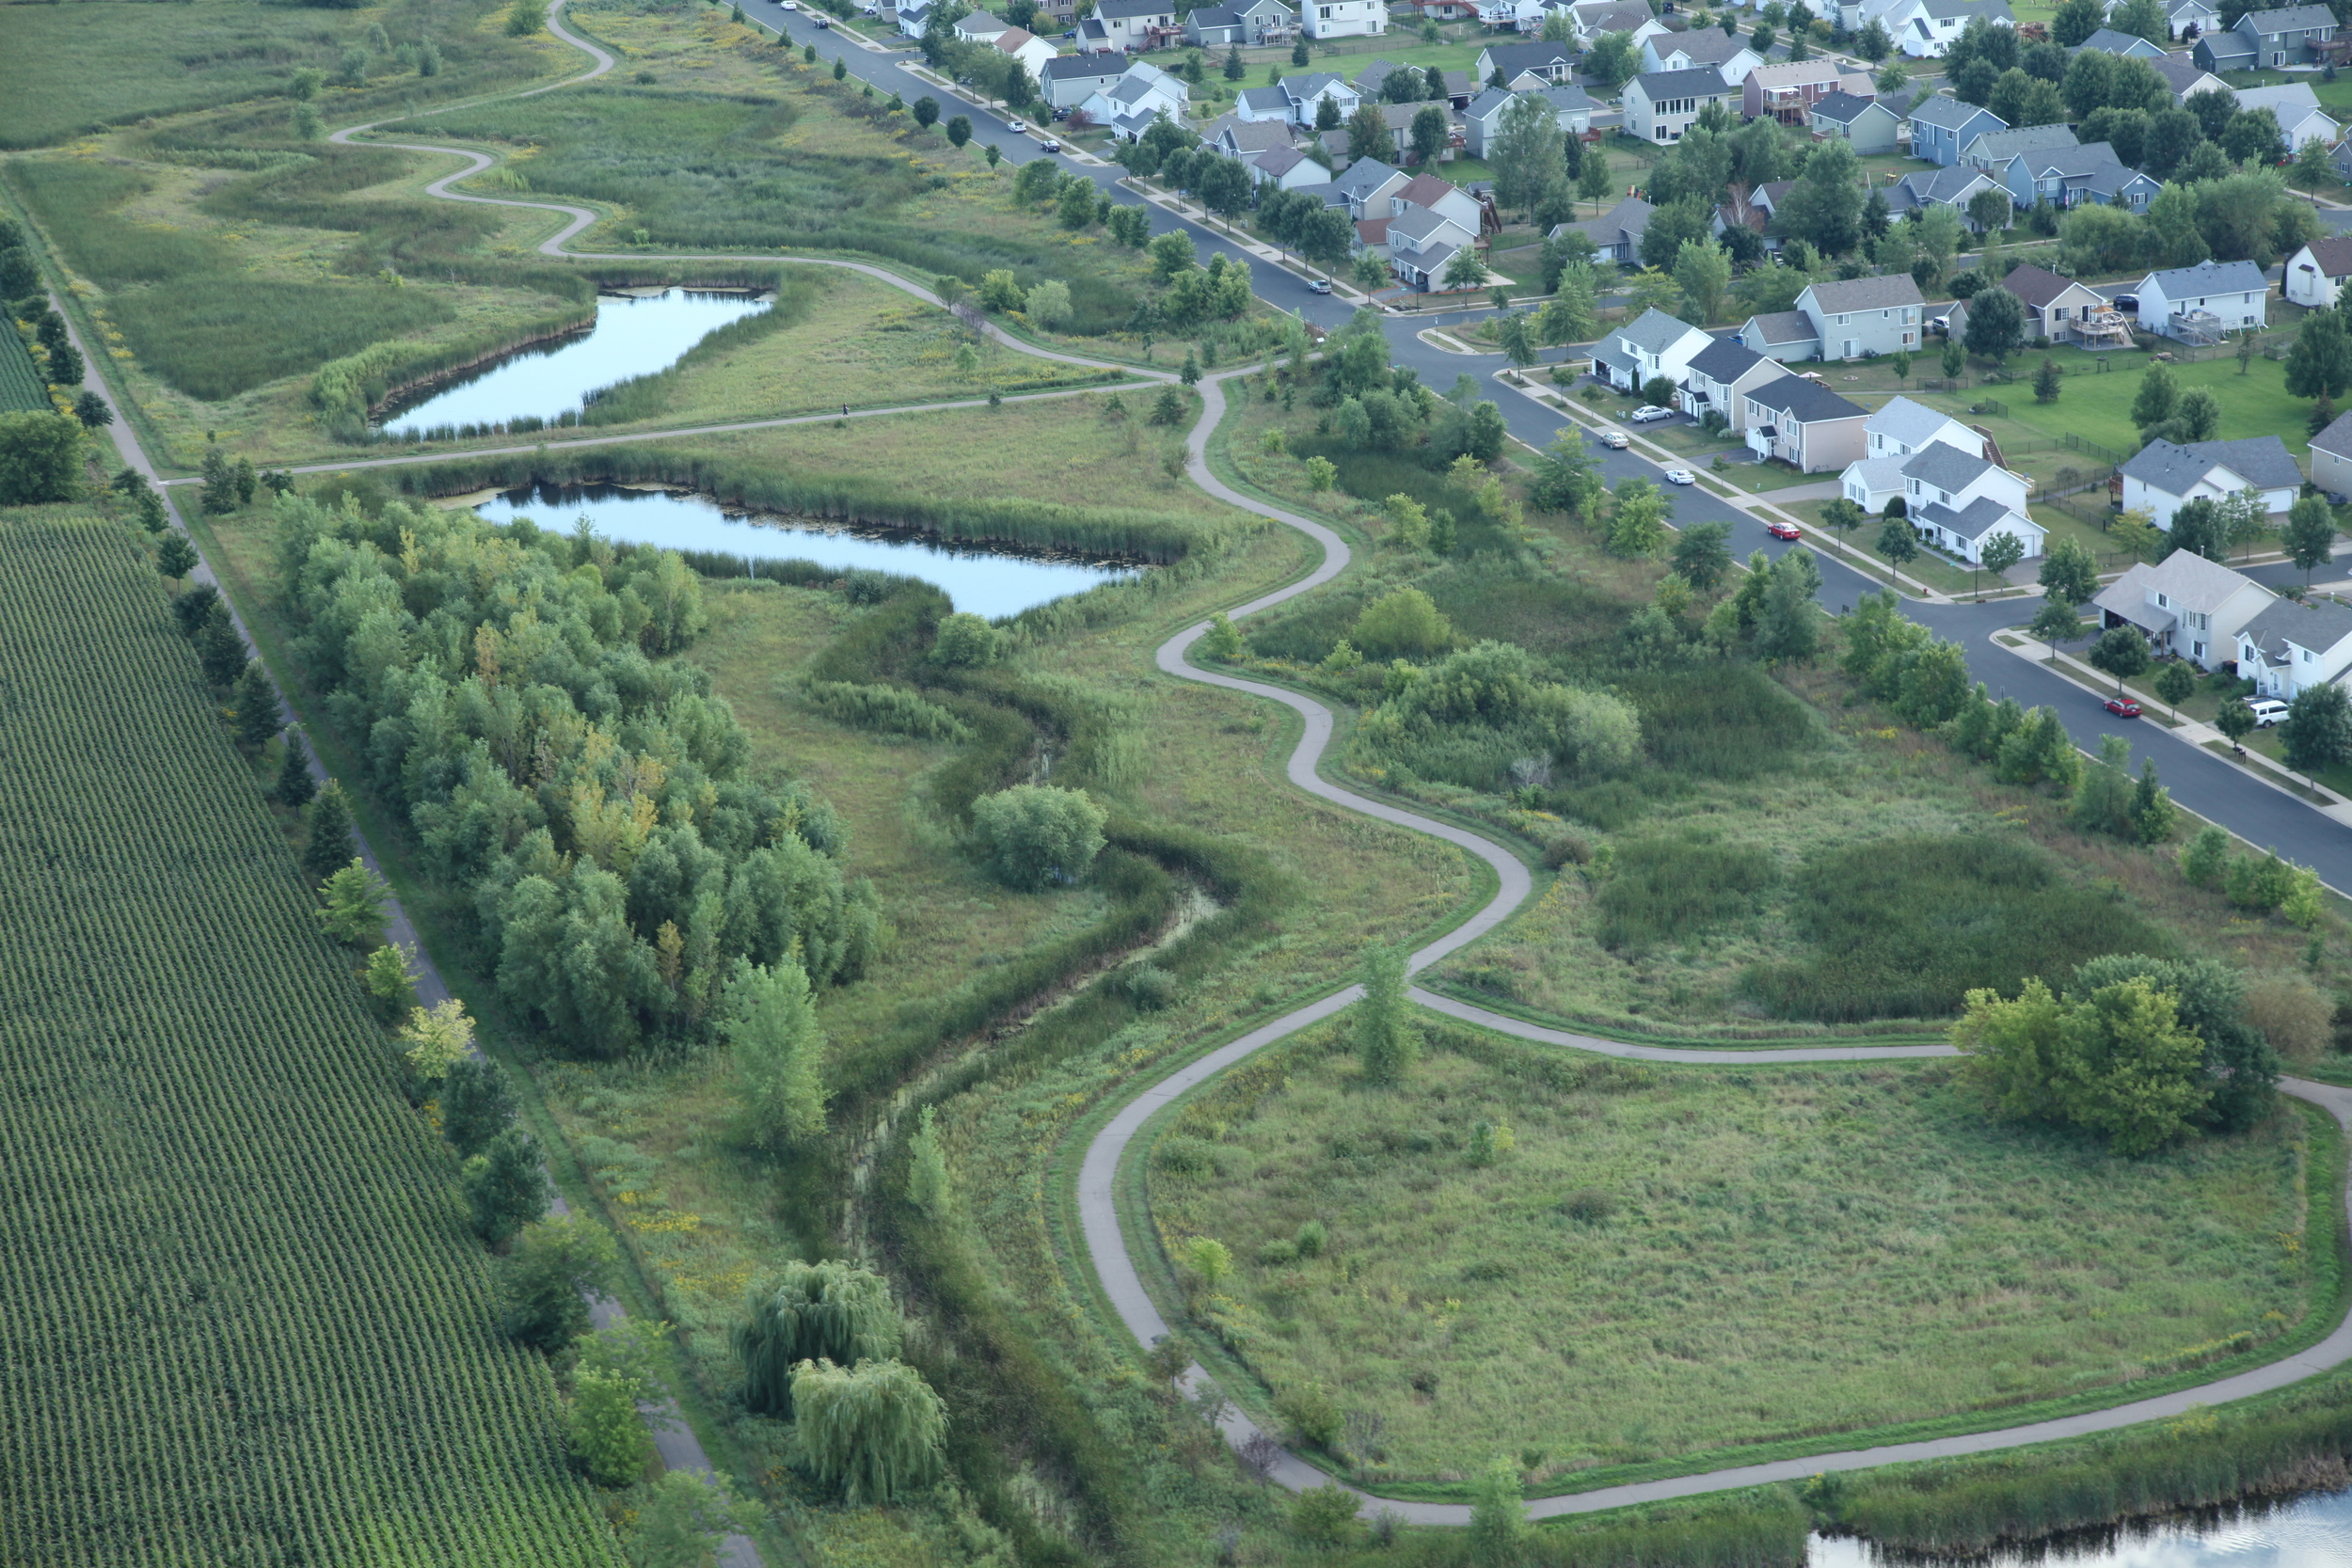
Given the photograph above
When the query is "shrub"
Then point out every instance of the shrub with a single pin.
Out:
(2292, 1015)
(1324, 1515)
(1149, 986)
(1036, 836)
(964, 640)
(1589, 1206)
(888, 709)
(1312, 1238)
(1311, 1414)
(1402, 623)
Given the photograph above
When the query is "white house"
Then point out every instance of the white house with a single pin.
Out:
(1441, 196)
(2198, 304)
(2290, 646)
(2163, 478)
(1719, 379)
(1133, 26)
(2184, 604)
(1023, 45)
(2315, 274)
(1572, 111)
(2295, 107)
(1962, 502)
(1660, 107)
(1891, 437)
(1923, 29)
(1655, 345)
(1143, 93)
(1589, 19)
(2180, 15)
(979, 28)
(1286, 169)
(1343, 19)
(1728, 56)
(1297, 99)
(1553, 62)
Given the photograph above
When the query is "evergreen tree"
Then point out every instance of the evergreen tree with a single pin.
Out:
(256, 703)
(328, 844)
(295, 786)
(219, 649)
(175, 558)
(351, 906)
(476, 1105)
(505, 1189)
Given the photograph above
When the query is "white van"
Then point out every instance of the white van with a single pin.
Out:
(2266, 711)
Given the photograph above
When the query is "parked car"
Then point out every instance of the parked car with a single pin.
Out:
(824, 21)
(2122, 708)
(1050, 145)
(1649, 411)
(2266, 711)
(791, 5)
(1615, 440)
(1016, 126)
(1318, 285)
(1784, 530)
(2127, 302)
(1679, 476)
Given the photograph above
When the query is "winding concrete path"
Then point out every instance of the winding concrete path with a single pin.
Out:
(1109, 1247)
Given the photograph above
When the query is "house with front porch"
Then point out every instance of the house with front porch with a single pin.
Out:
(1421, 242)
(1805, 424)
(1719, 379)
(1959, 503)
(1890, 439)
(2290, 647)
(1655, 344)
(2162, 478)
(1297, 99)
(2184, 604)
(1142, 94)
(1864, 316)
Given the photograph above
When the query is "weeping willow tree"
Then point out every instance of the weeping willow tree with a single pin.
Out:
(831, 1311)
(873, 1431)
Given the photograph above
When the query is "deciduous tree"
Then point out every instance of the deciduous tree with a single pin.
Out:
(1036, 836)
(351, 906)
(1386, 1040)
(554, 1266)
(771, 1027)
(506, 1190)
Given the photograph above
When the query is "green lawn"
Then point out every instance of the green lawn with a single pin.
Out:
(1677, 1260)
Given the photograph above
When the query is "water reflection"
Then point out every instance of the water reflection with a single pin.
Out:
(2304, 1532)
(978, 580)
(634, 336)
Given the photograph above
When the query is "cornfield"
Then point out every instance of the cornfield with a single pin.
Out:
(20, 387)
(241, 1319)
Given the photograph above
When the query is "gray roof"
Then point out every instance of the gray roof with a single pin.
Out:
(1709, 44)
(2317, 625)
(1370, 79)
(1512, 58)
(1865, 294)
(1726, 361)
(1214, 16)
(1972, 521)
(1950, 113)
(1783, 326)
(1275, 162)
(1628, 217)
(2337, 438)
(1313, 82)
(1945, 465)
(1416, 223)
(1844, 108)
(2261, 461)
(1655, 331)
(2179, 72)
(2290, 19)
(1564, 100)
(1118, 10)
(2108, 41)
(1700, 81)
(1913, 424)
(1066, 67)
(1998, 145)
(1254, 136)
(1806, 401)
(1994, 11)
(1266, 100)
(1949, 186)
(2209, 278)
(1364, 176)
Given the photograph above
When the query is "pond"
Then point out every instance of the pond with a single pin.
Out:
(634, 335)
(984, 582)
(2301, 1532)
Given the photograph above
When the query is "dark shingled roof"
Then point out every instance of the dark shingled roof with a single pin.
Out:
(1806, 401)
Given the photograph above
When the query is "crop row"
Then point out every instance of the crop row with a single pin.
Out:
(20, 387)
(241, 1318)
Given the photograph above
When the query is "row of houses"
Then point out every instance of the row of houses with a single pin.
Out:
(2202, 610)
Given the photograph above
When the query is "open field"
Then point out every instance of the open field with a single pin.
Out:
(242, 1311)
(1680, 1260)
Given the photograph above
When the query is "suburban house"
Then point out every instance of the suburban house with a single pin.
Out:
(1616, 235)
(1803, 424)
(2184, 604)
(1235, 137)
(1639, 352)
(1250, 21)
(979, 28)
(1442, 197)
(1134, 25)
(1343, 19)
(2071, 176)
(2315, 274)
(1420, 241)
(2331, 457)
(2296, 109)
(1067, 81)
(2129, 46)
(1142, 94)
(915, 17)
(1941, 125)
(1286, 169)
(2198, 304)
(2054, 305)
(1373, 77)
(2290, 646)
(1754, 208)
(1870, 125)
(1923, 29)
(1553, 62)
(1296, 99)
(2185, 17)
(1891, 437)
(1365, 188)
(1572, 110)
(1962, 502)
(1784, 335)
(1727, 56)
(1945, 188)
(2163, 478)
(1660, 107)
(1033, 53)
(1988, 150)
(2184, 76)
(1787, 92)
(1719, 379)
(1863, 315)
(2293, 35)
(1596, 17)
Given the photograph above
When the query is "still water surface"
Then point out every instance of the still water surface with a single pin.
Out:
(978, 580)
(633, 337)
(2307, 1533)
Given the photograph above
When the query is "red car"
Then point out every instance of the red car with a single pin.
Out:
(1783, 530)
(2122, 708)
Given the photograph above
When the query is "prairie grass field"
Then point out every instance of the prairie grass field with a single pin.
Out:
(244, 1312)
(1677, 1260)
